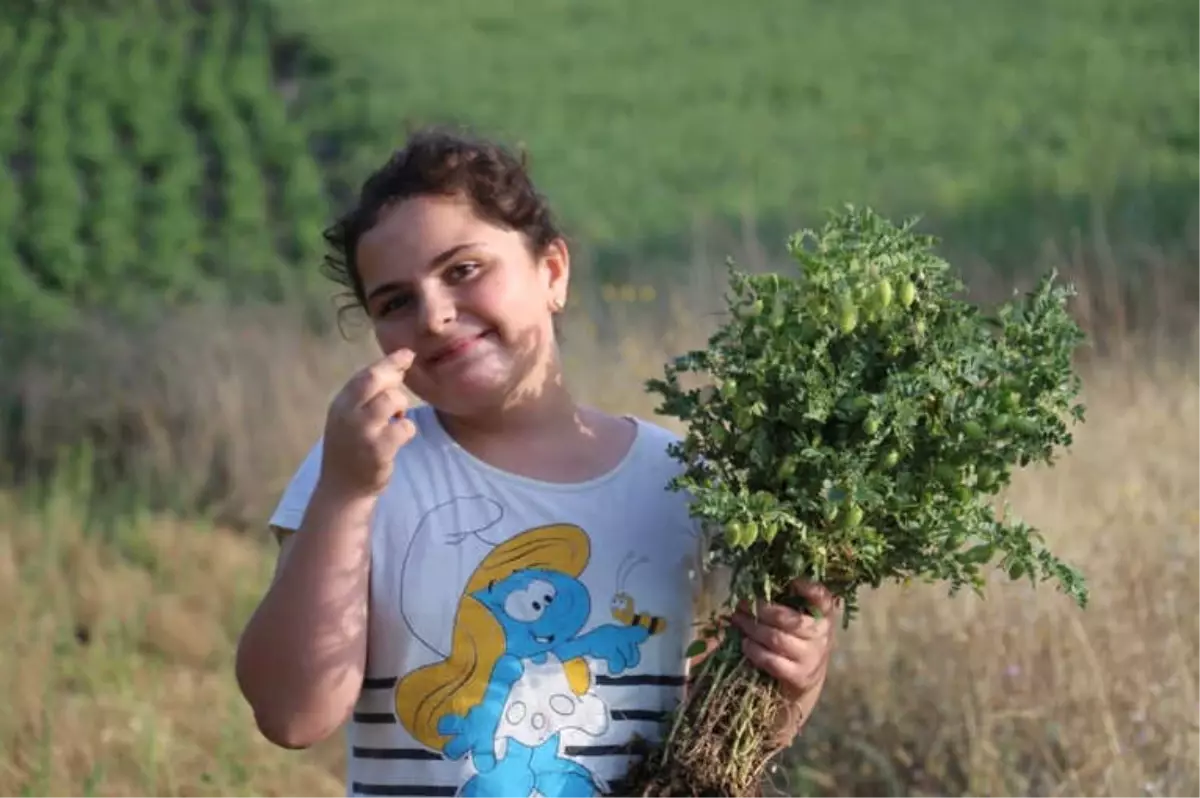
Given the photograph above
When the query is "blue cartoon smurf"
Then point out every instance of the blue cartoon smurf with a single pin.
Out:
(517, 674)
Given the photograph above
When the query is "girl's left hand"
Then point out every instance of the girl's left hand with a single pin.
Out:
(791, 645)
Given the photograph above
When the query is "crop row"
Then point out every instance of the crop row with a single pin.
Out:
(154, 161)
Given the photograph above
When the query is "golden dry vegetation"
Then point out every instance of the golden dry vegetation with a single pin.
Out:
(116, 653)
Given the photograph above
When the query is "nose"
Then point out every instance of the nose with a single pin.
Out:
(437, 311)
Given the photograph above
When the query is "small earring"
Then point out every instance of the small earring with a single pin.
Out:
(556, 305)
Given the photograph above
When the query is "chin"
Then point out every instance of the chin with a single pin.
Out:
(466, 397)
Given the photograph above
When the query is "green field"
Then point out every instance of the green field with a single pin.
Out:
(640, 115)
(164, 154)
(154, 159)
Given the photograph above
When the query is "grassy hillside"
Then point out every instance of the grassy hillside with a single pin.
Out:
(152, 162)
(167, 151)
(640, 115)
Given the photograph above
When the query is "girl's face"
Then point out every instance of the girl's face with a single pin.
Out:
(467, 297)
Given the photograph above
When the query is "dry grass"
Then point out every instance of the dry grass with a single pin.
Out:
(1023, 694)
(117, 659)
(117, 654)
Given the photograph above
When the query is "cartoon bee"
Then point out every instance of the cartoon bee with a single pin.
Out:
(624, 610)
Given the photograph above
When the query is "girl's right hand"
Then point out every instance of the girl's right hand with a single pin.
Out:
(366, 427)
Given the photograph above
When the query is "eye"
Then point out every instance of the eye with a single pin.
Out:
(394, 302)
(528, 605)
(461, 271)
(521, 607)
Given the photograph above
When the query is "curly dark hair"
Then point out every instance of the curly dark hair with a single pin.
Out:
(441, 161)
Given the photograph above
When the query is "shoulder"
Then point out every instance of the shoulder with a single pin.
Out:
(656, 440)
(655, 430)
(657, 468)
(655, 458)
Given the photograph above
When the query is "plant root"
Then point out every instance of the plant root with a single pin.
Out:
(723, 737)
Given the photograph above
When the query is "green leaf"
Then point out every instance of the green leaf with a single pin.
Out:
(979, 554)
(856, 454)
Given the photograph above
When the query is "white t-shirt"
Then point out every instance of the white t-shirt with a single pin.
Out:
(522, 633)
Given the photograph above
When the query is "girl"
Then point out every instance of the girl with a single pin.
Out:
(493, 587)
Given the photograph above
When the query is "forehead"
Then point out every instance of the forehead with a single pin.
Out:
(408, 235)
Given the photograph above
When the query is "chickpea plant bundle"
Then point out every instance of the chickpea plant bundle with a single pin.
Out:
(853, 423)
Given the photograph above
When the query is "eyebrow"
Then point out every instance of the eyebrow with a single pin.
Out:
(437, 261)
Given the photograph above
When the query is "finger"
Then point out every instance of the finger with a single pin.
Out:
(796, 677)
(633, 656)
(400, 359)
(772, 638)
(387, 372)
(817, 595)
(774, 664)
(387, 405)
(369, 383)
(398, 433)
(455, 749)
(791, 621)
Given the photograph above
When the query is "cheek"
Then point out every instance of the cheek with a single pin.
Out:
(515, 300)
(391, 336)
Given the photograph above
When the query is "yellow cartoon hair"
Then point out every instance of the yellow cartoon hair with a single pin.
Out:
(457, 683)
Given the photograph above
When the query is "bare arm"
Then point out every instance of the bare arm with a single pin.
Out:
(301, 658)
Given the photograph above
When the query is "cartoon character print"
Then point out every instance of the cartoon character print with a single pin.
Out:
(624, 608)
(518, 670)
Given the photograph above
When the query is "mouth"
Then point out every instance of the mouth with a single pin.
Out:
(543, 640)
(457, 348)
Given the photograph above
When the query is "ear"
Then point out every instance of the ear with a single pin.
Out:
(555, 265)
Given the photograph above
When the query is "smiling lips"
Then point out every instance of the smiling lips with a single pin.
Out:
(456, 349)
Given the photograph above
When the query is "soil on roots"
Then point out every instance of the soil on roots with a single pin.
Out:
(721, 740)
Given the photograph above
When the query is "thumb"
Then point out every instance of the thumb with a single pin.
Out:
(401, 358)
